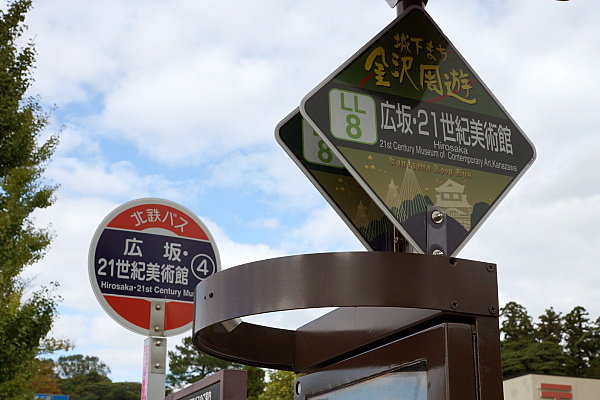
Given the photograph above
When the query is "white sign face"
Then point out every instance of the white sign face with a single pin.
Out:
(148, 250)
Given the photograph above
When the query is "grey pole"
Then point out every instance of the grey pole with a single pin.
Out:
(395, 240)
(155, 354)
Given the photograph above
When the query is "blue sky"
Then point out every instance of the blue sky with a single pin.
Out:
(179, 100)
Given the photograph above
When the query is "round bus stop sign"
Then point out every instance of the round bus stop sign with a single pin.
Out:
(151, 250)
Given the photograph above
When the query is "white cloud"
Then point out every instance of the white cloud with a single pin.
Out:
(323, 231)
(543, 253)
(269, 172)
(172, 114)
(98, 335)
(186, 82)
(265, 223)
(233, 254)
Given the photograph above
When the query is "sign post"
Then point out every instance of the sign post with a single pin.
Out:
(226, 384)
(414, 124)
(145, 260)
(336, 184)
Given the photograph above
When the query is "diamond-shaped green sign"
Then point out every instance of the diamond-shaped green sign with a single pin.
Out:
(416, 126)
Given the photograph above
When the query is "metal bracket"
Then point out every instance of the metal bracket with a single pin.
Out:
(398, 240)
(157, 318)
(436, 231)
(158, 355)
(402, 5)
(155, 368)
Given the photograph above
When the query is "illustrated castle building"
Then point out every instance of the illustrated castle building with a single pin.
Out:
(452, 198)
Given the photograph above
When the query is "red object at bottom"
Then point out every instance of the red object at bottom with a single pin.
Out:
(556, 392)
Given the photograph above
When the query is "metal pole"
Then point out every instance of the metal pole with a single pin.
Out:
(155, 365)
(395, 240)
(155, 354)
(404, 4)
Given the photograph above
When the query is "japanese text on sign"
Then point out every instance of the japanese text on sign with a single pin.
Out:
(446, 126)
(400, 63)
(153, 265)
(154, 215)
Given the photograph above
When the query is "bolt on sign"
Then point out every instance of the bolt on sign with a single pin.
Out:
(147, 250)
(334, 182)
(416, 126)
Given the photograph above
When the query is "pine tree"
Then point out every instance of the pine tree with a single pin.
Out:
(549, 328)
(529, 347)
(188, 365)
(556, 345)
(580, 344)
(517, 325)
(594, 370)
(24, 321)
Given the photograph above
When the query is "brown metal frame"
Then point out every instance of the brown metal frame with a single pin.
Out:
(233, 385)
(336, 331)
(384, 280)
(447, 350)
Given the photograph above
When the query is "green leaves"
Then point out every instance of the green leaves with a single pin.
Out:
(280, 386)
(555, 345)
(188, 365)
(95, 386)
(24, 320)
(75, 365)
(23, 327)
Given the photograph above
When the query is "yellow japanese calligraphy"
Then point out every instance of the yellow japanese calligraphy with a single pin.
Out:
(379, 66)
(412, 51)
(430, 78)
(456, 82)
(407, 63)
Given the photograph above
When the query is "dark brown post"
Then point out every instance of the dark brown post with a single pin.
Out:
(404, 4)
(227, 384)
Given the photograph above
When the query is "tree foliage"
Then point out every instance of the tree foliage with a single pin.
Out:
(280, 386)
(256, 382)
(549, 327)
(81, 378)
(188, 365)
(582, 342)
(71, 366)
(517, 324)
(555, 345)
(45, 379)
(24, 320)
(95, 386)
